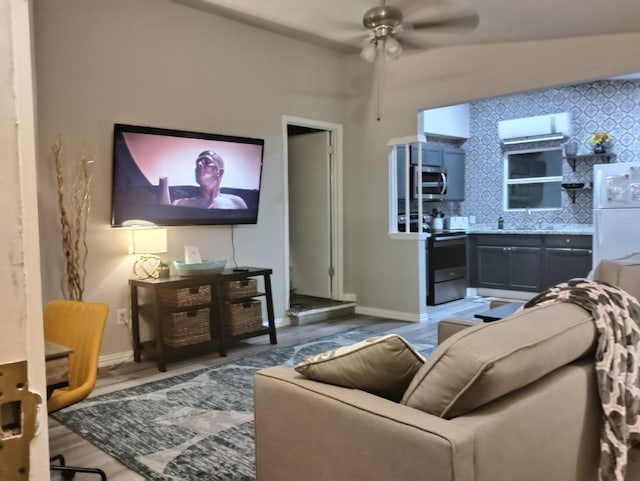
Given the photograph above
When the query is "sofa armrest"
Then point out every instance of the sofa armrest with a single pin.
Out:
(307, 430)
(451, 326)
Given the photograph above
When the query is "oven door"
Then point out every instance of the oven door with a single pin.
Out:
(431, 181)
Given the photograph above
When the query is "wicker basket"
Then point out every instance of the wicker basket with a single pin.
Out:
(186, 327)
(243, 288)
(243, 318)
(188, 296)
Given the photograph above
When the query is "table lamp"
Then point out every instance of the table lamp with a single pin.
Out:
(148, 242)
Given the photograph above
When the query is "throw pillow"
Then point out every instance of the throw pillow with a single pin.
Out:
(383, 366)
(482, 363)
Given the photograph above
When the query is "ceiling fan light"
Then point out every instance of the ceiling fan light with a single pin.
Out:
(392, 49)
(369, 51)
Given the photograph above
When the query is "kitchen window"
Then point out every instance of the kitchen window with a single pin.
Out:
(533, 179)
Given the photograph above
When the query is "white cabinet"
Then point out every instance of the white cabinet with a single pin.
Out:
(449, 122)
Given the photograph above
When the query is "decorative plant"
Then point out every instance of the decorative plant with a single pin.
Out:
(74, 213)
(600, 138)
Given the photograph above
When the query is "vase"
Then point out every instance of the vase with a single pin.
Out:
(599, 149)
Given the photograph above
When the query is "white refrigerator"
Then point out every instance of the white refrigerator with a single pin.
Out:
(616, 210)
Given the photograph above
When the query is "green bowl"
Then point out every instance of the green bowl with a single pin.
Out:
(204, 268)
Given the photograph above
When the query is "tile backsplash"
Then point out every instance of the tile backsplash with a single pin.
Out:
(610, 105)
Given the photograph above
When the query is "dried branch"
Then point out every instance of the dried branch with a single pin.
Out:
(74, 214)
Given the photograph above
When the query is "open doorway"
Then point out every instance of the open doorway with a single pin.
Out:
(313, 163)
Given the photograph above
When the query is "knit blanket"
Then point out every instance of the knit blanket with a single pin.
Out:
(617, 317)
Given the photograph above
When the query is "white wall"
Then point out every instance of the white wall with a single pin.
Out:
(154, 62)
(159, 63)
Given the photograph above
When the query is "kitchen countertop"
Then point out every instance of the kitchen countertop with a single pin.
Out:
(562, 229)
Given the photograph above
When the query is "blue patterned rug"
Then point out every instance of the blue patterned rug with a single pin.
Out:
(194, 426)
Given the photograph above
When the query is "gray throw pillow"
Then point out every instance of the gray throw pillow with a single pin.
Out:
(383, 366)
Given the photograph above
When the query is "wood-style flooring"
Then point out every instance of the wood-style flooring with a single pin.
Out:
(79, 452)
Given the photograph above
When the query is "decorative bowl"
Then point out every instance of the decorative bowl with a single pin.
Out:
(204, 268)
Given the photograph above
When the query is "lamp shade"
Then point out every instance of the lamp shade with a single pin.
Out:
(147, 241)
(369, 51)
(392, 49)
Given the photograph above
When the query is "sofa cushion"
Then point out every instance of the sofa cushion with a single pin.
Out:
(485, 362)
(624, 273)
(381, 365)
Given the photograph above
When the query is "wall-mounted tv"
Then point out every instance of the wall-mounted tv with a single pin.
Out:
(176, 177)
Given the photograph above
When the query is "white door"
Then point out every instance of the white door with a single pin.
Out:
(310, 214)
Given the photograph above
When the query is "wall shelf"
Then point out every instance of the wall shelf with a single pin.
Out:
(599, 158)
(573, 192)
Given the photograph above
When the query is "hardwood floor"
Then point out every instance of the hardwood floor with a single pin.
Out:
(79, 452)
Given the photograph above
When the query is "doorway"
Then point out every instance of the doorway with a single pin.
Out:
(313, 166)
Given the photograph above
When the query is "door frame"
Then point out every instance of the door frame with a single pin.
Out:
(336, 200)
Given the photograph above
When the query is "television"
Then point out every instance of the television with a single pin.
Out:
(176, 177)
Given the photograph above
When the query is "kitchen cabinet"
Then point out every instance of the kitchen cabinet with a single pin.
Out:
(511, 262)
(453, 161)
(527, 262)
(566, 257)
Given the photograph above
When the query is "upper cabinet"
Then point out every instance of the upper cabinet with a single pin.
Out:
(453, 162)
(451, 122)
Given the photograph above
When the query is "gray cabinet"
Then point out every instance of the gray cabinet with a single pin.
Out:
(527, 262)
(566, 257)
(453, 162)
(500, 261)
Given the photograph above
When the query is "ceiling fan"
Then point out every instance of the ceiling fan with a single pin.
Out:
(388, 31)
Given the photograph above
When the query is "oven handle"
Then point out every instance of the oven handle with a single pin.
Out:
(449, 238)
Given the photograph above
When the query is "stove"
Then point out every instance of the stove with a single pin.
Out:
(414, 223)
(446, 266)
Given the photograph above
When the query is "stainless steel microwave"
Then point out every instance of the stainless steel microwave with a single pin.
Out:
(432, 181)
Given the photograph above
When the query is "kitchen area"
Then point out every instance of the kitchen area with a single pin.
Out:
(512, 212)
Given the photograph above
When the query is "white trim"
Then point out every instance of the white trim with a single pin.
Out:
(115, 359)
(337, 231)
(395, 315)
(349, 297)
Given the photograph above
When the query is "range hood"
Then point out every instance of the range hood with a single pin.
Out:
(535, 129)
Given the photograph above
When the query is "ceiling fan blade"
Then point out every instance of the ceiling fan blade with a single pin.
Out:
(411, 8)
(411, 43)
(461, 21)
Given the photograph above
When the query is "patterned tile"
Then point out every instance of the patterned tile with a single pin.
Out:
(611, 105)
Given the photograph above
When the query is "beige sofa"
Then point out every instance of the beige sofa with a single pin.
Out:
(512, 400)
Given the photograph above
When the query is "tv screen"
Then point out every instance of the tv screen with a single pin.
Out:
(175, 177)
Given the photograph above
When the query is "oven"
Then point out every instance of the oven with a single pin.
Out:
(446, 267)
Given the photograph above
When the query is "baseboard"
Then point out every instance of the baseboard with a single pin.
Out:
(400, 316)
(114, 359)
(349, 297)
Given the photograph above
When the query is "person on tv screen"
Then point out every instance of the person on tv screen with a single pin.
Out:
(209, 172)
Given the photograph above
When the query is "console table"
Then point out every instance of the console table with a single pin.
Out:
(216, 307)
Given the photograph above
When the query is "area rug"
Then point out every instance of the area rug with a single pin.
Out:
(193, 426)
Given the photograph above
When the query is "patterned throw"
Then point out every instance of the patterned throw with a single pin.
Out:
(617, 317)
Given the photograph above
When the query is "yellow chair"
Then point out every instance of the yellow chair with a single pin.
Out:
(78, 325)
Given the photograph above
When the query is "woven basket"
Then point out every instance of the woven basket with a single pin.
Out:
(186, 327)
(243, 318)
(243, 288)
(188, 296)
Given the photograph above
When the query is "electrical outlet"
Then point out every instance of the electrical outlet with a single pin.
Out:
(122, 317)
